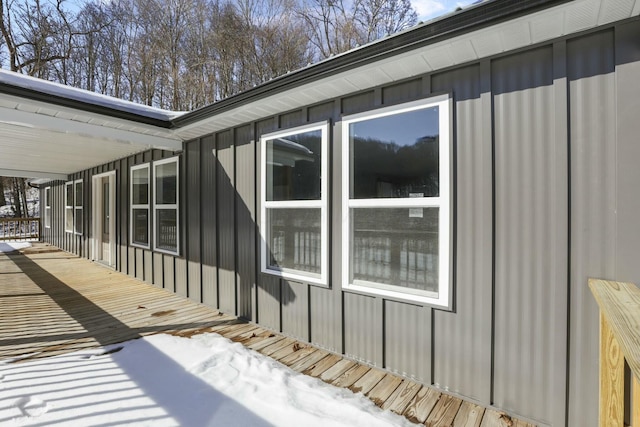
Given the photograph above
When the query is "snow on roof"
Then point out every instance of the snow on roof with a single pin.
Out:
(56, 89)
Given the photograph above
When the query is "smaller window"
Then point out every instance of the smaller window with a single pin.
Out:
(68, 207)
(294, 203)
(165, 206)
(78, 206)
(47, 207)
(140, 217)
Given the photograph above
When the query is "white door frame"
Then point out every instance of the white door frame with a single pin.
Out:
(96, 228)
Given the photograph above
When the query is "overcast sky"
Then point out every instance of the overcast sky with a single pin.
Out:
(429, 9)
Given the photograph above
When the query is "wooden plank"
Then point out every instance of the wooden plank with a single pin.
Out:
(302, 364)
(285, 351)
(421, 406)
(351, 376)
(445, 411)
(635, 403)
(402, 397)
(273, 348)
(385, 388)
(298, 355)
(336, 370)
(469, 415)
(368, 381)
(620, 304)
(317, 369)
(493, 418)
(611, 378)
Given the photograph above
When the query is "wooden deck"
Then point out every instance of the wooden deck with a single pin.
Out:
(52, 302)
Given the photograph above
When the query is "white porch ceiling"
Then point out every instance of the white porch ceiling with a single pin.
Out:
(41, 140)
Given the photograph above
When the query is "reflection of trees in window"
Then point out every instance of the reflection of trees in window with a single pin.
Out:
(386, 169)
(293, 167)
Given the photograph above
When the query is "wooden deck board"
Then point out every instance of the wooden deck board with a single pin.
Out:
(55, 303)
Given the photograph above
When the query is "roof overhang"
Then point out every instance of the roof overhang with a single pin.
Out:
(483, 31)
(41, 139)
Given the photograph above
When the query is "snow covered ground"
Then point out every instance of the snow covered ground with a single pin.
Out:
(10, 246)
(163, 380)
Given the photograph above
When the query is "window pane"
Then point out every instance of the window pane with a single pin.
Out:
(395, 156)
(69, 195)
(167, 230)
(68, 218)
(166, 183)
(294, 239)
(294, 167)
(78, 221)
(141, 226)
(78, 194)
(395, 246)
(140, 186)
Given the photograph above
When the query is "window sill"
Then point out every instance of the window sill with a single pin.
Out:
(288, 275)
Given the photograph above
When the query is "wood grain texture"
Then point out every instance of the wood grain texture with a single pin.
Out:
(57, 303)
(620, 304)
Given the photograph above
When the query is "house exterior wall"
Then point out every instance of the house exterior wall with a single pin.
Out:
(545, 196)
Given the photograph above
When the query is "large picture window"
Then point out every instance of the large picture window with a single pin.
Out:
(396, 201)
(165, 206)
(78, 206)
(68, 207)
(140, 218)
(294, 203)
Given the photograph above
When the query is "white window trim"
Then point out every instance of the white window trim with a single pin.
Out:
(175, 206)
(443, 202)
(69, 207)
(146, 206)
(47, 207)
(286, 273)
(78, 208)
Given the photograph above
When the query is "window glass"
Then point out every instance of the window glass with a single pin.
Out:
(140, 186)
(294, 203)
(166, 183)
(396, 189)
(294, 239)
(294, 166)
(78, 221)
(167, 230)
(395, 156)
(79, 194)
(140, 219)
(396, 246)
(69, 194)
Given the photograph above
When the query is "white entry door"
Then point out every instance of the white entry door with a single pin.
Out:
(104, 215)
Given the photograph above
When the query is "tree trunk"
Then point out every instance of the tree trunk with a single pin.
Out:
(3, 200)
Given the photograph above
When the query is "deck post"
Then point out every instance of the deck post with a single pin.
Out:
(619, 305)
(611, 378)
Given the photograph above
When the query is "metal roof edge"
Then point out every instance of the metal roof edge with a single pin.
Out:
(463, 21)
(76, 104)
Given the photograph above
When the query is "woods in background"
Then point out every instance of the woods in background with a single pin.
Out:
(14, 194)
(185, 54)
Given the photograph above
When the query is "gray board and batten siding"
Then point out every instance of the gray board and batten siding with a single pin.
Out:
(545, 168)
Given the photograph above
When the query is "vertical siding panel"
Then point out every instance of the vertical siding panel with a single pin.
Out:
(193, 226)
(462, 339)
(402, 92)
(628, 150)
(132, 257)
(168, 268)
(208, 167)
(407, 340)
(320, 112)
(593, 214)
(122, 182)
(326, 318)
(140, 267)
(363, 328)
(295, 309)
(531, 229)
(158, 270)
(269, 297)
(180, 276)
(360, 102)
(226, 194)
(148, 269)
(245, 218)
(291, 119)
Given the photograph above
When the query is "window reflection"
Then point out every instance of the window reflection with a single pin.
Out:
(395, 156)
(294, 167)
